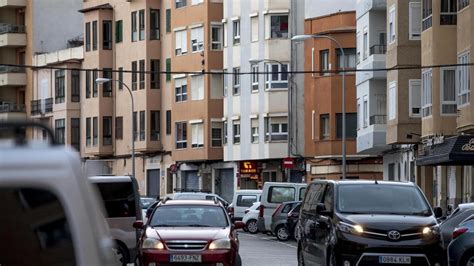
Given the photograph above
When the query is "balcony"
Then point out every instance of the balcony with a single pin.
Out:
(374, 58)
(6, 107)
(378, 49)
(12, 3)
(12, 35)
(12, 76)
(378, 119)
(371, 139)
(42, 106)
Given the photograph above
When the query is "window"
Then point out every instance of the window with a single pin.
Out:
(197, 135)
(134, 27)
(427, 14)
(119, 127)
(276, 76)
(120, 77)
(269, 176)
(324, 62)
(359, 115)
(95, 131)
(141, 22)
(216, 37)
(366, 44)
(118, 198)
(155, 74)
(94, 35)
(448, 14)
(76, 133)
(142, 125)
(180, 3)
(281, 194)
(88, 131)
(107, 86)
(391, 25)
(414, 87)
(216, 86)
(246, 200)
(236, 31)
(349, 61)
(134, 75)
(59, 130)
(462, 4)
(216, 134)
(94, 83)
(254, 130)
(427, 99)
(391, 171)
(236, 81)
(415, 20)
(365, 118)
(225, 78)
(142, 74)
(392, 100)
(154, 24)
(324, 126)
(254, 29)
(88, 36)
(197, 39)
(168, 20)
(226, 30)
(448, 91)
(197, 87)
(107, 130)
(75, 85)
(181, 42)
(168, 122)
(279, 26)
(328, 198)
(118, 31)
(236, 131)
(195, 2)
(224, 141)
(154, 125)
(351, 125)
(181, 90)
(59, 86)
(254, 77)
(276, 128)
(464, 82)
(168, 69)
(135, 126)
(181, 135)
(106, 34)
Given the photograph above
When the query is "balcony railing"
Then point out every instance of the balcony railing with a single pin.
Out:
(12, 107)
(378, 119)
(10, 28)
(9, 69)
(378, 49)
(42, 106)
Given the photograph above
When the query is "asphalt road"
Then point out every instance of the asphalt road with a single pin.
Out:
(260, 249)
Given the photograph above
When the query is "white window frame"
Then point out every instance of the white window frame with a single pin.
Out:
(359, 115)
(197, 39)
(254, 130)
(236, 31)
(181, 42)
(176, 135)
(365, 111)
(365, 43)
(463, 80)
(269, 76)
(236, 133)
(427, 95)
(197, 87)
(183, 95)
(280, 131)
(216, 45)
(255, 78)
(313, 117)
(447, 102)
(225, 33)
(217, 125)
(270, 25)
(392, 35)
(392, 100)
(236, 81)
(197, 135)
(325, 129)
(254, 30)
(225, 81)
(412, 84)
(196, 2)
(312, 62)
(413, 34)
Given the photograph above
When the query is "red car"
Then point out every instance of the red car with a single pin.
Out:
(189, 231)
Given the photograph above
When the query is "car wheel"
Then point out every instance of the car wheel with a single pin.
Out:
(252, 226)
(332, 259)
(238, 260)
(121, 254)
(468, 259)
(300, 258)
(282, 233)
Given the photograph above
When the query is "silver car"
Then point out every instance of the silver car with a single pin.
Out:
(461, 248)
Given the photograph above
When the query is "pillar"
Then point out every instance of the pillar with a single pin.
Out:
(426, 182)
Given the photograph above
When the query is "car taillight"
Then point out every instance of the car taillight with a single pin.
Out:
(260, 211)
(459, 231)
(277, 209)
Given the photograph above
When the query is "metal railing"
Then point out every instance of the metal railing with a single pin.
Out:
(10, 69)
(12, 107)
(37, 106)
(378, 49)
(378, 119)
(11, 28)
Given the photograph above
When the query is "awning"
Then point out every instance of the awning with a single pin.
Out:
(457, 150)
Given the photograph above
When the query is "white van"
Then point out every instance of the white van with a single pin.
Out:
(243, 199)
(122, 205)
(273, 194)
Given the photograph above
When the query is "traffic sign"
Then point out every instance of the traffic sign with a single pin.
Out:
(288, 162)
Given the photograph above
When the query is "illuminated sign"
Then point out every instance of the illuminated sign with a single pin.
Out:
(468, 146)
(248, 167)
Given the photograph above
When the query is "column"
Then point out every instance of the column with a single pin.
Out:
(426, 182)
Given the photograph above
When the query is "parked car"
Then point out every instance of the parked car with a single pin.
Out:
(243, 199)
(274, 193)
(367, 223)
(279, 220)
(189, 231)
(250, 218)
(461, 248)
(292, 221)
(145, 203)
(50, 213)
(122, 207)
(198, 196)
(446, 227)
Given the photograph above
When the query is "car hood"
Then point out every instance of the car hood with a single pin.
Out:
(187, 233)
(387, 222)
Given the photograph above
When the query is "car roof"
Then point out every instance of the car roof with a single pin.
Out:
(110, 178)
(248, 191)
(365, 182)
(190, 202)
(464, 206)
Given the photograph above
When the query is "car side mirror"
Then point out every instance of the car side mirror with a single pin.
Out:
(239, 224)
(438, 212)
(138, 224)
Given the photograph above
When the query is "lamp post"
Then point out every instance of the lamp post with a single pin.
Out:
(105, 80)
(299, 38)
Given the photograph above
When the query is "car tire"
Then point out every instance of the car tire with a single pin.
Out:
(122, 254)
(252, 226)
(282, 233)
(300, 258)
(238, 260)
(467, 258)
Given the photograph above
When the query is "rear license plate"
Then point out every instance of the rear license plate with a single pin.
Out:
(395, 259)
(185, 258)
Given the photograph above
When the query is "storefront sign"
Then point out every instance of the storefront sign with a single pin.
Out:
(468, 146)
(248, 167)
(434, 141)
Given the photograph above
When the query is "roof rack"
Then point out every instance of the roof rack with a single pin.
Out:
(191, 190)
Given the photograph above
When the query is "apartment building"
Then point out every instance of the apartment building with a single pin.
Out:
(323, 94)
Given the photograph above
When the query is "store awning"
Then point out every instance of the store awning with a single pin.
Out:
(457, 150)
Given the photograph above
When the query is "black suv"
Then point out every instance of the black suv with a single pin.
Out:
(367, 223)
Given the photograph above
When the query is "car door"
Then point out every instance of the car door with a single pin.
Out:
(324, 225)
(447, 227)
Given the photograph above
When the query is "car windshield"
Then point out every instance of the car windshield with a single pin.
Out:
(189, 216)
(381, 199)
(146, 202)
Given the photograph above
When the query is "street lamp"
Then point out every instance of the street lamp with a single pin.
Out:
(299, 38)
(105, 80)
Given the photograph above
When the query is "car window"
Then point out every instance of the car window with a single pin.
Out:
(287, 208)
(280, 194)
(146, 202)
(246, 200)
(296, 208)
(328, 198)
(302, 193)
(189, 216)
(313, 197)
(36, 228)
(119, 199)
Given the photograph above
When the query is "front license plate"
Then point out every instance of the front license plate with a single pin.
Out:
(185, 258)
(395, 259)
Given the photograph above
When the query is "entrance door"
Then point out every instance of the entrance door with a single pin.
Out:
(191, 181)
(224, 184)
(153, 182)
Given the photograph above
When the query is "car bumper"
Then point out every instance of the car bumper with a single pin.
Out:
(208, 257)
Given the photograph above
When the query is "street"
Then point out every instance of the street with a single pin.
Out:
(261, 249)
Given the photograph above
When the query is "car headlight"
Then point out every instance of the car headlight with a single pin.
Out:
(349, 228)
(220, 244)
(430, 230)
(152, 243)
